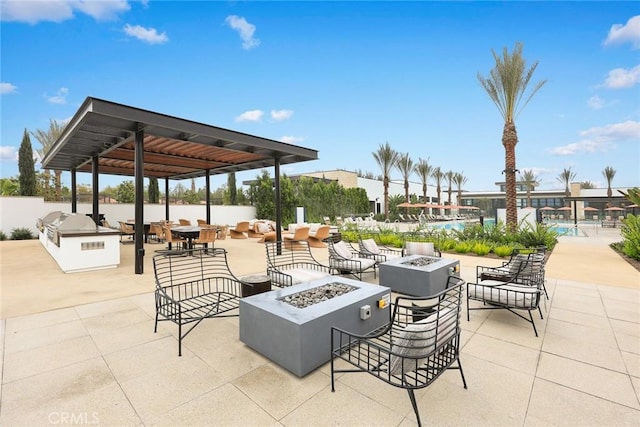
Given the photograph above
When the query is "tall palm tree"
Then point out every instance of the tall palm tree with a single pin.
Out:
(459, 179)
(405, 167)
(386, 157)
(438, 175)
(505, 85)
(47, 138)
(449, 176)
(608, 174)
(565, 177)
(423, 169)
(529, 179)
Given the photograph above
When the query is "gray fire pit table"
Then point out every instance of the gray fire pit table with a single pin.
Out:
(422, 281)
(299, 339)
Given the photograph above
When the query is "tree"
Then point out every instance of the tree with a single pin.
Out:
(449, 176)
(47, 139)
(154, 191)
(506, 85)
(459, 179)
(386, 157)
(608, 174)
(585, 185)
(26, 167)
(529, 179)
(404, 164)
(423, 169)
(438, 175)
(565, 177)
(126, 192)
(231, 188)
(9, 187)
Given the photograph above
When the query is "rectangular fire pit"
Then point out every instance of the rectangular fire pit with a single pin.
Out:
(417, 275)
(299, 339)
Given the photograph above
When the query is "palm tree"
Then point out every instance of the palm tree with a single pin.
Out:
(565, 177)
(438, 176)
(386, 157)
(459, 179)
(449, 176)
(405, 167)
(530, 180)
(47, 139)
(506, 85)
(423, 169)
(608, 174)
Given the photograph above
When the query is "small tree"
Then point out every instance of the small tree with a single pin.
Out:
(449, 176)
(231, 188)
(26, 167)
(126, 192)
(154, 191)
(423, 169)
(529, 179)
(565, 177)
(386, 157)
(608, 174)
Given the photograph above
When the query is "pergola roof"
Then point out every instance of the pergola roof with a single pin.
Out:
(174, 148)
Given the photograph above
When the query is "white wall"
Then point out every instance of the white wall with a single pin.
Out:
(19, 212)
(528, 214)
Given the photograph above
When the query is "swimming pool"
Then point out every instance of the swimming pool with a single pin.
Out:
(561, 230)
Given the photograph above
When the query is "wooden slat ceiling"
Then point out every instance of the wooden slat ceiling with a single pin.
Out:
(174, 148)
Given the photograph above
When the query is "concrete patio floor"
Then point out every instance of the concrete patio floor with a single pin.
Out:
(80, 349)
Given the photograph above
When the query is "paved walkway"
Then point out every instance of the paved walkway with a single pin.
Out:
(80, 348)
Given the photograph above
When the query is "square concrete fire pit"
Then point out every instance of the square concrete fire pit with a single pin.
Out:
(418, 275)
(299, 339)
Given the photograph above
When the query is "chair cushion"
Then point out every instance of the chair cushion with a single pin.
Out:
(419, 248)
(526, 297)
(264, 227)
(302, 275)
(342, 250)
(350, 265)
(371, 246)
(413, 344)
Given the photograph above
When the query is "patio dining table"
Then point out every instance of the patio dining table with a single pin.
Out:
(187, 232)
(146, 229)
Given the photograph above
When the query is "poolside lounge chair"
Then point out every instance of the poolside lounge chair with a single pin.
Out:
(239, 231)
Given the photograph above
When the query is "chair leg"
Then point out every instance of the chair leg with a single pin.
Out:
(412, 397)
(533, 323)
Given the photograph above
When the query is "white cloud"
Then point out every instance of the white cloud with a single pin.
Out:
(8, 152)
(250, 116)
(625, 33)
(60, 97)
(147, 35)
(601, 139)
(279, 115)
(244, 29)
(595, 102)
(7, 88)
(33, 12)
(291, 139)
(620, 78)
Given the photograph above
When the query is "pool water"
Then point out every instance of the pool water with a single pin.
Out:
(561, 230)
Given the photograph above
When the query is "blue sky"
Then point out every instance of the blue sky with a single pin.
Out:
(341, 78)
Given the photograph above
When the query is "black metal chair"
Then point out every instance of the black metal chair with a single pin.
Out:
(346, 260)
(288, 266)
(421, 342)
(369, 246)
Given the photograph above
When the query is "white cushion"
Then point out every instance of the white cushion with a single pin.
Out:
(509, 295)
(313, 227)
(371, 246)
(350, 265)
(418, 340)
(264, 227)
(342, 249)
(419, 248)
(300, 275)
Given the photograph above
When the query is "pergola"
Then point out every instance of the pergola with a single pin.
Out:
(110, 138)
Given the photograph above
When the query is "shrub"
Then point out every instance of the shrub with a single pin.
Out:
(22, 233)
(463, 247)
(447, 244)
(3, 236)
(541, 235)
(481, 249)
(503, 250)
(630, 231)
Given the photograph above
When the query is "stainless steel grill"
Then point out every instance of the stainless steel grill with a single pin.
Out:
(66, 223)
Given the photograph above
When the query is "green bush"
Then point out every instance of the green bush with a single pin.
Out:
(447, 244)
(541, 235)
(21, 234)
(3, 236)
(481, 249)
(503, 250)
(463, 247)
(630, 231)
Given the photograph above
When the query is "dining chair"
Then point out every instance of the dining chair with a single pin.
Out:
(170, 239)
(207, 235)
(183, 221)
